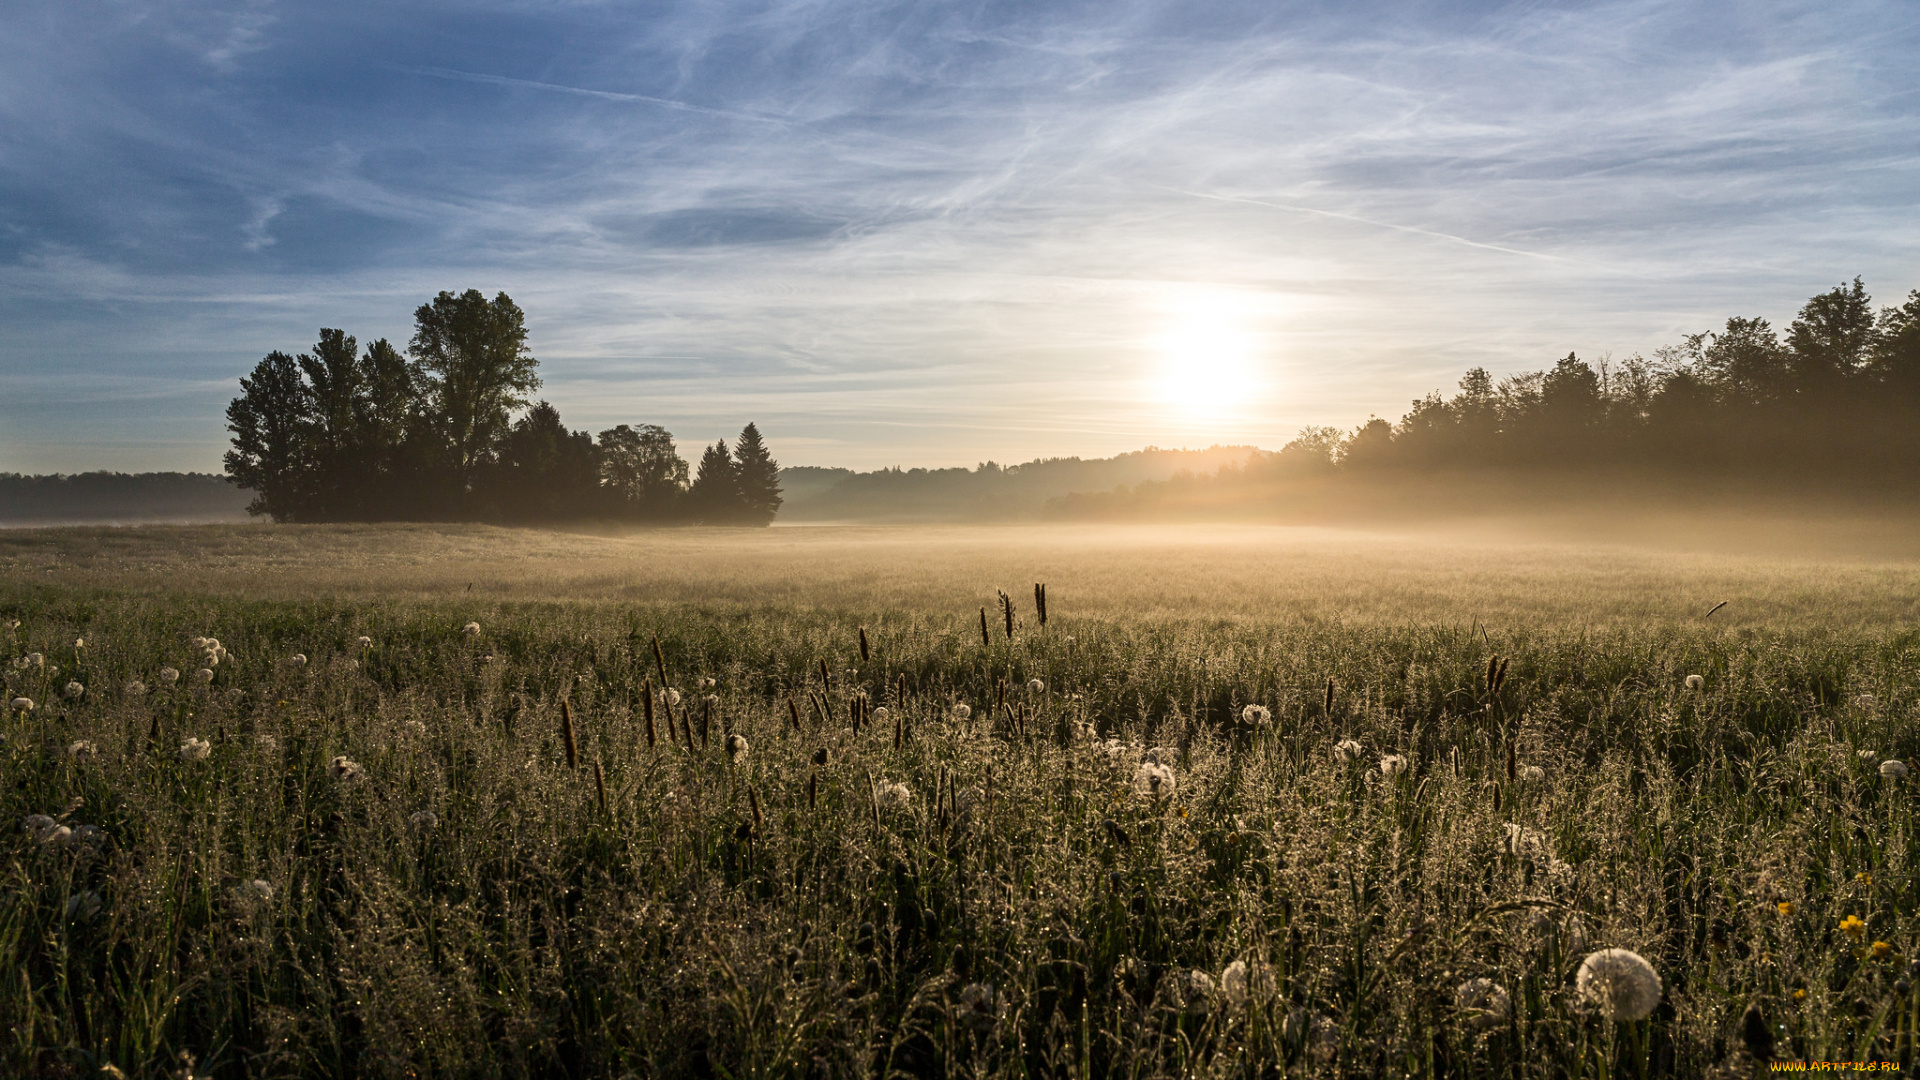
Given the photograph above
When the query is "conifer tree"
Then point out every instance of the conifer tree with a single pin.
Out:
(757, 477)
(715, 496)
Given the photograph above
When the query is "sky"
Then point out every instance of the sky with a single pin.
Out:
(926, 234)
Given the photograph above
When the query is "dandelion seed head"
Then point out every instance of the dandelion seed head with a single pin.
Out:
(298, 659)
(673, 696)
(1036, 686)
(1233, 982)
(709, 683)
(1865, 754)
(1347, 751)
(1153, 781)
(1893, 769)
(363, 641)
(1393, 765)
(423, 819)
(23, 704)
(1197, 988)
(79, 643)
(74, 690)
(261, 888)
(83, 751)
(978, 1008)
(961, 710)
(1484, 1002)
(136, 688)
(1533, 773)
(169, 675)
(1619, 983)
(37, 823)
(203, 676)
(345, 769)
(34, 660)
(893, 795)
(266, 743)
(1696, 683)
(1256, 715)
(737, 748)
(195, 749)
(472, 629)
(880, 714)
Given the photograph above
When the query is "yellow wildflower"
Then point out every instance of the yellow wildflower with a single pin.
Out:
(1853, 927)
(1881, 950)
(1786, 907)
(1799, 995)
(1863, 878)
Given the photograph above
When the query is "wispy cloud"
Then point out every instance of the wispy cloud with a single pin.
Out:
(924, 233)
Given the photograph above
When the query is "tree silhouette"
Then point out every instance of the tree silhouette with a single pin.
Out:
(715, 496)
(756, 478)
(269, 422)
(473, 354)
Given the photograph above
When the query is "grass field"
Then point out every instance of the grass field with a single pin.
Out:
(454, 851)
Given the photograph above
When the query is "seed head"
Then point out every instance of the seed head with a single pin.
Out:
(1485, 1003)
(74, 691)
(1894, 770)
(136, 688)
(880, 714)
(737, 748)
(1533, 772)
(345, 769)
(1256, 715)
(1393, 765)
(363, 641)
(961, 710)
(472, 629)
(1619, 983)
(1036, 686)
(423, 819)
(195, 750)
(169, 675)
(203, 676)
(709, 683)
(22, 704)
(1696, 683)
(893, 796)
(83, 751)
(1346, 751)
(260, 888)
(1153, 780)
(673, 696)
(298, 659)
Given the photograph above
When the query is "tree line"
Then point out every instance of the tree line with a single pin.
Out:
(448, 431)
(1831, 405)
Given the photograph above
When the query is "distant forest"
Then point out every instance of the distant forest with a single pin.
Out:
(118, 498)
(1830, 410)
(341, 434)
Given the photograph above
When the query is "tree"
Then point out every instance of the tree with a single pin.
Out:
(542, 472)
(715, 495)
(641, 468)
(1745, 361)
(1831, 338)
(473, 356)
(757, 478)
(1896, 348)
(334, 444)
(268, 421)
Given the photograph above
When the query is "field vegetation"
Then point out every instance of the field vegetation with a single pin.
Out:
(455, 801)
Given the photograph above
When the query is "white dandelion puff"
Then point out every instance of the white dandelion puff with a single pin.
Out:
(1036, 686)
(83, 751)
(37, 823)
(212, 659)
(345, 769)
(261, 888)
(195, 749)
(363, 641)
(1894, 769)
(880, 714)
(737, 748)
(1393, 765)
(74, 690)
(978, 1009)
(1619, 983)
(1347, 751)
(298, 659)
(1233, 982)
(673, 696)
(23, 704)
(169, 675)
(423, 819)
(1696, 683)
(33, 659)
(1533, 772)
(961, 710)
(893, 796)
(1256, 715)
(1153, 780)
(1196, 987)
(1485, 1003)
(203, 676)
(472, 629)
(266, 743)
(1866, 755)
(79, 643)
(709, 683)
(136, 688)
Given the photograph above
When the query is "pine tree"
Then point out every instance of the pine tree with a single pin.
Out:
(757, 477)
(715, 496)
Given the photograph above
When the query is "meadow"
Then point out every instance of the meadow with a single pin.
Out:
(459, 801)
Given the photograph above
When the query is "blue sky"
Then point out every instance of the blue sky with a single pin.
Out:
(926, 233)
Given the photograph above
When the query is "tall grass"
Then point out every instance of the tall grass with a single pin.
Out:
(474, 906)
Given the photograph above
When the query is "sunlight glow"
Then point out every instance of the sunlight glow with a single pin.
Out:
(1208, 356)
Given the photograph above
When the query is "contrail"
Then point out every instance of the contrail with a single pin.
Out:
(1370, 221)
(607, 95)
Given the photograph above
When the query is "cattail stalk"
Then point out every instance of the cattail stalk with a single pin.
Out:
(646, 695)
(1006, 609)
(826, 680)
(566, 730)
(659, 661)
(1329, 704)
(899, 727)
(1513, 763)
(793, 710)
(813, 787)
(984, 639)
(600, 785)
(753, 800)
(1040, 602)
(864, 657)
(706, 720)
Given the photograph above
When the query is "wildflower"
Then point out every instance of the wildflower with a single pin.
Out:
(34, 660)
(880, 714)
(1853, 927)
(298, 659)
(1484, 1002)
(709, 683)
(1863, 878)
(74, 690)
(893, 796)
(136, 688)
(736, 748)
(211, 659)
(1881, 950)
(82, 906)
(1799, 995)
(203, 676)
(22, 704)
(79, 643)
(673, 696)
(1393, 765)
(1256, 715)
(260, 888)
(1785, 907)
(195, 749)
(423, 819)
(169, 676)
(977, 1008)
(1696, 683)
(1196, 987)
(363, 641)
(961, 710)
(472, 629)
(1533, 773)
(1036, 686)
(1153, 781)
(1620, 983)
(1346, 751)
(1893, 770)
(83, 751)
(345, 769)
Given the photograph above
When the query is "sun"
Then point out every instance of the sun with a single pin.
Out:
(1208, 357)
